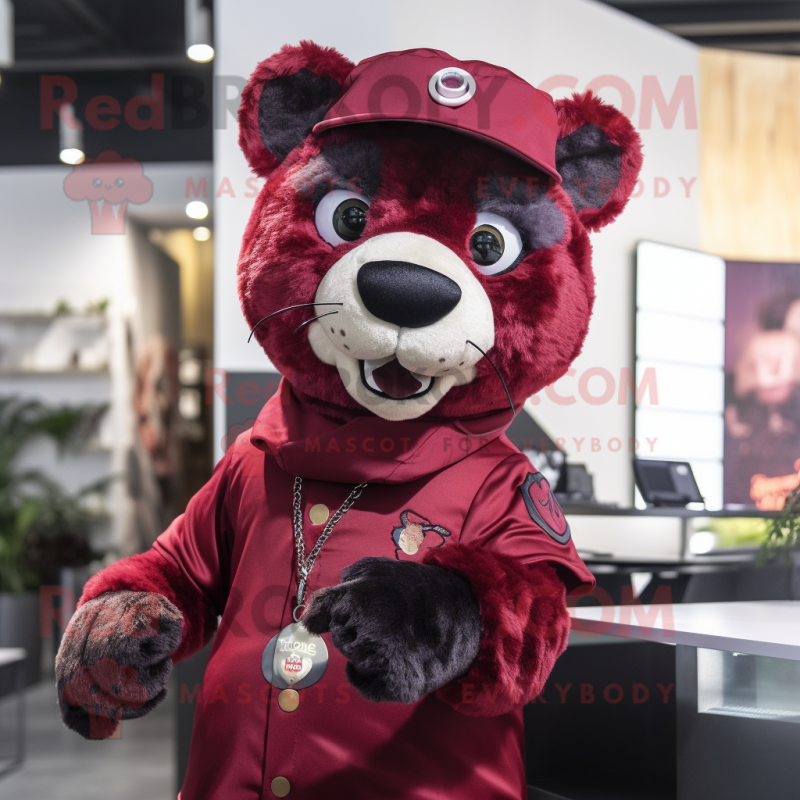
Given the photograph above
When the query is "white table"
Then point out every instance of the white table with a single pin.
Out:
(769, 628)
(736, 718)
(11, 658)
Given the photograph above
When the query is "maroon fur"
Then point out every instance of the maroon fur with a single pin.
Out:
(525, 629)
(152, 572)
(583, 109)
(287, 61)
(429, 181)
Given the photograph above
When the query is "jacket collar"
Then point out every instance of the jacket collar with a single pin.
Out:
(366, 449)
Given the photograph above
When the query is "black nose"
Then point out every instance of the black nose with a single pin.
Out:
(406, 294)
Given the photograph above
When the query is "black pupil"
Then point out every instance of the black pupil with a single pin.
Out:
(485, 248)
(349, 219)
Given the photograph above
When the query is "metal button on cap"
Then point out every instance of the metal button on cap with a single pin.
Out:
(319, 514)
(289, 700)
(280, 786)
(451, 86)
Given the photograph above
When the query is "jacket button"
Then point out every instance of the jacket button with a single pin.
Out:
(280, 786)
(319, 514)
(289, 699)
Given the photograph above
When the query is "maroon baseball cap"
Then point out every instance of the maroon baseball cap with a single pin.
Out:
(472, 97)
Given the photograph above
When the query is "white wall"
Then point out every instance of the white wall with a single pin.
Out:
(48, 253)
(538, 39)
(47, 249)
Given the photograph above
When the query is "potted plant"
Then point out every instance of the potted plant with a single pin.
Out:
(40, 524)
(783, 541)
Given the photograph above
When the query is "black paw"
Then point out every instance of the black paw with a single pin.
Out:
(407, 629)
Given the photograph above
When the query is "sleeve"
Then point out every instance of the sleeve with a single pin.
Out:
(516, 550)
(516, 514)
(525, 629)
(187, 564)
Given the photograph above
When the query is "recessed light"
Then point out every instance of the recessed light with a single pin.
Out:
(197, 209)
(71, 155)
(202, 53)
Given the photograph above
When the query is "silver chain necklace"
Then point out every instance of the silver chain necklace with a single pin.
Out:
(296, 658)
(305, 563)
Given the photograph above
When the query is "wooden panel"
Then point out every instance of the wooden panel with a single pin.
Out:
(750, 155)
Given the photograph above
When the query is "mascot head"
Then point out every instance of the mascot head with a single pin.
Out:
(421, 245)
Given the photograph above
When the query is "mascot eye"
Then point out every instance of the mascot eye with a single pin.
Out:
(119, 183)
(495, 244)
(341, 217)
(97, 182)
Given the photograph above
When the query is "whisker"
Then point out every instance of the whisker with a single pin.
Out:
(308, 321)
(288, 308)
(499, 375)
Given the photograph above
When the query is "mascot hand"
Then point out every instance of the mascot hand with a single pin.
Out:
(406, 629)
(113, 662)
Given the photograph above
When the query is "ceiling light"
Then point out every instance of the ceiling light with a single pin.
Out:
(202, 53)
(72, 155)
(201, 233)
(197, 209)
(199, 42)
(70, 136)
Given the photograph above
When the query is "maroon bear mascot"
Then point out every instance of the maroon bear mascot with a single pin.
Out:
(386, 574)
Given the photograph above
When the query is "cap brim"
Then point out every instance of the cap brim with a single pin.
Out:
(361, 119)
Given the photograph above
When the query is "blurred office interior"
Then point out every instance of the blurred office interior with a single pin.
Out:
(125, 368)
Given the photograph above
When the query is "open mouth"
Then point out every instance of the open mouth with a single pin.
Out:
(387, 377)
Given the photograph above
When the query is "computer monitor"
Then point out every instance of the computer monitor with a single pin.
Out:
(666, 483)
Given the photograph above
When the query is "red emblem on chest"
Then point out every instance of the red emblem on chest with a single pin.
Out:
(544, 508)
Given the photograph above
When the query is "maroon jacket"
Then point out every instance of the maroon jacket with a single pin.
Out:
(436, 493)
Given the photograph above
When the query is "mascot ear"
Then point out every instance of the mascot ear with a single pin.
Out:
(598, 155)
(286, 96)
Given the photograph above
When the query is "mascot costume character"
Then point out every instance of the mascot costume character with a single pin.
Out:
(386, 574)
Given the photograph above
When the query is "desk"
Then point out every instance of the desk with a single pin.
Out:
(737, 684)
(617, 543)
(682, 515)
(770, 628)
(15, 658)
(665, 579)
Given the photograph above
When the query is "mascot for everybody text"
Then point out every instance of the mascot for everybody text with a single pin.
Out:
(386, 574)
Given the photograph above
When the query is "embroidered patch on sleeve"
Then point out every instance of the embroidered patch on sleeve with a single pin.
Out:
(416, 533)
(544, 508)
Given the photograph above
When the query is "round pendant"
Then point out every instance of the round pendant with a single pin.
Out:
(294, 658)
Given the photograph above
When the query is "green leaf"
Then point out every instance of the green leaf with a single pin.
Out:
(32, 503)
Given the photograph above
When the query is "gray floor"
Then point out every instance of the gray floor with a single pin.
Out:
(61, 765)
